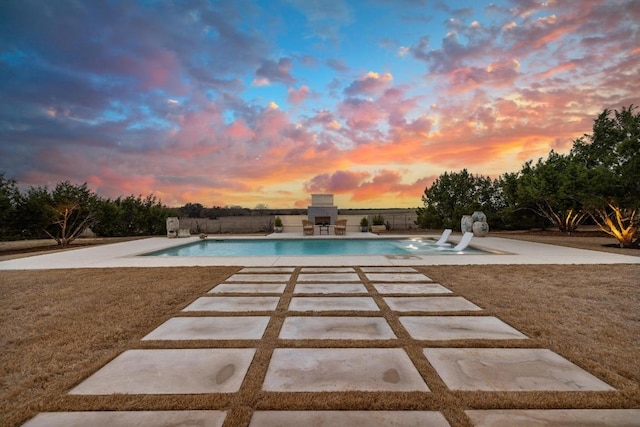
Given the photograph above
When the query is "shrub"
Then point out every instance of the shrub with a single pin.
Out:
(377, 220)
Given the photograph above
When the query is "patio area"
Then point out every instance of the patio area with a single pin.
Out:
(127, 254)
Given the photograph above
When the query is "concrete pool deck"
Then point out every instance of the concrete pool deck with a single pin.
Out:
(127, 254)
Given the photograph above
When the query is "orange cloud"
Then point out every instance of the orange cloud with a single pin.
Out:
(497, 74)
(555, 70)
(365, 187)
(337, 182)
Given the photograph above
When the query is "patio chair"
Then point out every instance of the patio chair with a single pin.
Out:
(442, 241)
(341, 227)
(307, 227)
(464, 242)
(462, 245)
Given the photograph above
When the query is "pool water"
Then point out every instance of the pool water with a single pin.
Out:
(307, 247)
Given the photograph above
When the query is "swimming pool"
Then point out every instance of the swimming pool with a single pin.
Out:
(308, 247)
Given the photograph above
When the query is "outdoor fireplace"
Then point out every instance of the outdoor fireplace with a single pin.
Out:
(322, 220)
(322, 209)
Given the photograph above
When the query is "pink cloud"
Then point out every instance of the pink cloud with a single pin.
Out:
(197, 132)
(502, 73)
(239, 130)
(389, 182)
(421, 127)
(298, 96)
(337, 182)
(555, 70)
(361, 114)
(541, 32)
(326, 119)
(365, 187)
(369, 84)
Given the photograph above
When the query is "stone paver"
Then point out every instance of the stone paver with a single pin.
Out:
(332, 303)
(323, 328)
(211, 328)
(430, 304)
(184, 371)
(348, 419)
(268, 270)
(244, 303)
(254, 288)
(327, 270)
(328, 277)
(510, 369)
(411, 288)
(330, 288)
(458, 328)
(128, 419)
(342, 369)
(249, 278)
(397, 277)
(555, 417)
(388, 269)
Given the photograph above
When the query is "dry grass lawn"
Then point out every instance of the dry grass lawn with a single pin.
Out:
(60, 326)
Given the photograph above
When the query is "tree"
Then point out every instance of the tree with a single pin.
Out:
(131, 216)
(610, 158)
(261, 208)
(512, 211)
(455, 194)
(9, 197)
(192, 210)
(553, 188)
(155, 217)
(62, 214)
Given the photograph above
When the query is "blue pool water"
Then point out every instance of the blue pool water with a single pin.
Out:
(307, 247)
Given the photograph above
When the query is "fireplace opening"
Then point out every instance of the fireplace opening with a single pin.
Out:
(322, 220)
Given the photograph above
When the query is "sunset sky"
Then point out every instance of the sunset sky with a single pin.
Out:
(235, 102)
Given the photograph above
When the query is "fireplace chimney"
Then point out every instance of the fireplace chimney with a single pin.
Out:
(322, 209)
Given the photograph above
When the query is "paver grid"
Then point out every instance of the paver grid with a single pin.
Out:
(295, 346)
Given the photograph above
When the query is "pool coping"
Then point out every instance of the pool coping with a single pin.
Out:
(127, 254)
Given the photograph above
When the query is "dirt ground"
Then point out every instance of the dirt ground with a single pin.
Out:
(60, 326)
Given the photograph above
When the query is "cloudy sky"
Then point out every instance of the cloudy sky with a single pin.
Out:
(233, 102)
